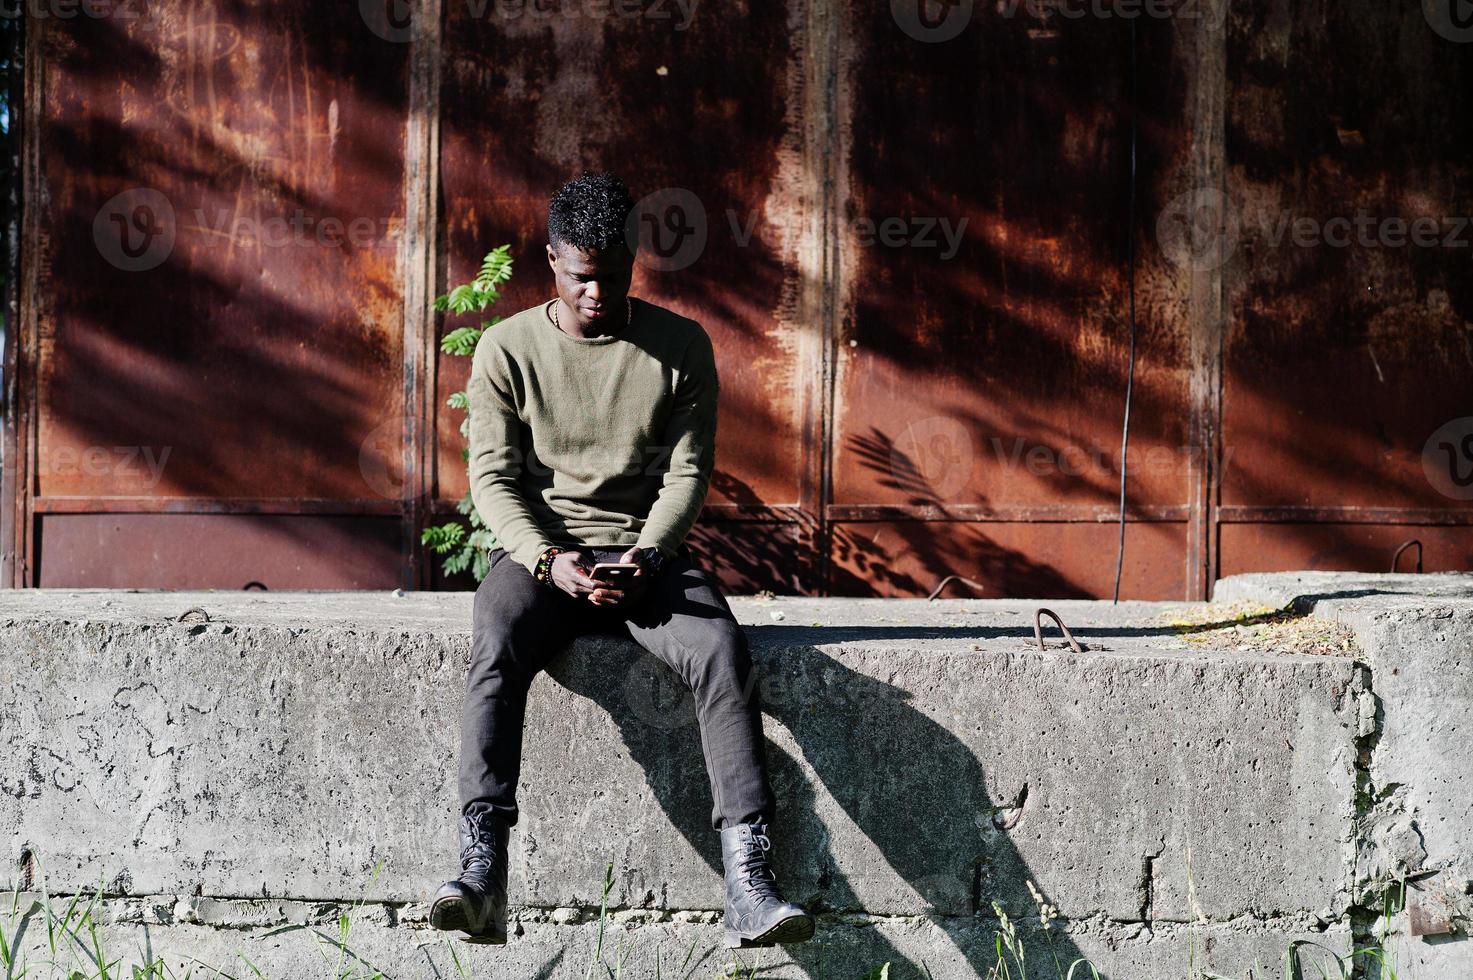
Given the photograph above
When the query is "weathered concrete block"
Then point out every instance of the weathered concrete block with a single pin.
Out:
(926, 758)
(1417, 633)
(188, 933)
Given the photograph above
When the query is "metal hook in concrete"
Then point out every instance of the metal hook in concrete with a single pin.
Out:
(198, 614)
(1038, 629)
(947, 581)
(1396, 558)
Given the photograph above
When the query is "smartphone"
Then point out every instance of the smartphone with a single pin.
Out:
(613, 571)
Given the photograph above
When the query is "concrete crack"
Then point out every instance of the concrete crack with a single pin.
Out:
(1147, 886)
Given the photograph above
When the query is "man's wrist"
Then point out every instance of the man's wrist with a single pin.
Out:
(653, 559)
(542, 571)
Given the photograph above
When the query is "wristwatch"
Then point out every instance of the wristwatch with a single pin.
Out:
(653, 559)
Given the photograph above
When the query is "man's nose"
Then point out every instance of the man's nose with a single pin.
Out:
(594, 291)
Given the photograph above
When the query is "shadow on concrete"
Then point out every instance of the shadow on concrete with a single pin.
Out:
(935, 824)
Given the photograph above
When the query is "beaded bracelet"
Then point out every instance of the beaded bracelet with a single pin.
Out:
(543, 572)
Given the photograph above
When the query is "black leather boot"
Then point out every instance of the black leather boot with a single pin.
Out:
(756, 913)
(475, 903)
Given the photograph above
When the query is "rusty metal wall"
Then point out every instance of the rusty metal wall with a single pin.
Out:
(981, 379)
(214, 303)
(1348, 359)
(907, 226)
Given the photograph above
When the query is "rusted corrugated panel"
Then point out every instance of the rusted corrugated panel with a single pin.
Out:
(1038, 560)
(223, 312)
(749, 557)
(703, 101)
(211, 551)
(1350, 345)
(983, 345)
(1343, 547)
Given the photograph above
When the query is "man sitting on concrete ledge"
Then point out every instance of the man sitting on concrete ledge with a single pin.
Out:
(563, 398)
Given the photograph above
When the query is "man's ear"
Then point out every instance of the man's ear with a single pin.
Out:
(552, 257)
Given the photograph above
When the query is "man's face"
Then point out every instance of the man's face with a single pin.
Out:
(594, 284)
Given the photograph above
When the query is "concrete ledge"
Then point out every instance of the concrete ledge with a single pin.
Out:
(1417, 631)
(928, 758)
(559, 944)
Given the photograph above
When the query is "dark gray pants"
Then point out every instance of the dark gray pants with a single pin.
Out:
(519, 624)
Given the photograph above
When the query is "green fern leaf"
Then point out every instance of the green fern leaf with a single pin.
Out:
(444, 537)
(495, 268)
(461, 342)
(458, 562)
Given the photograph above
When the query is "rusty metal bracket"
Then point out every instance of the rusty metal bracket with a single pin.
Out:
(1038, 629)
(948, 580)
(1427, 915)
(194, 614)
(1396, 558)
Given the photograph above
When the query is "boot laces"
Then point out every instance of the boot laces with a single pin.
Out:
(476, 857)
(757, 875)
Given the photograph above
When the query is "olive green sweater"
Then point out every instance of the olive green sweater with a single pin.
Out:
(596, 441)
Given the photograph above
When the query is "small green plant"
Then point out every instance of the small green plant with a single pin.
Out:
(468, 549)
(1012, 951)
(77, 949)
(335, 950)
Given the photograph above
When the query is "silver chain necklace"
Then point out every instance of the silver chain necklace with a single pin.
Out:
(628, 309)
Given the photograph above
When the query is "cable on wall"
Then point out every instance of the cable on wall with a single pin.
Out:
(1130, 268)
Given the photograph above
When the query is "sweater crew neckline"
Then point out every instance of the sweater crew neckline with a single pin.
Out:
(588, 341)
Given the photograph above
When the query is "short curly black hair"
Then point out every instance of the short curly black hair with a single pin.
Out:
(590, 212)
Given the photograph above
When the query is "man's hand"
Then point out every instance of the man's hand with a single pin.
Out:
(626, 591)
(570, 573)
